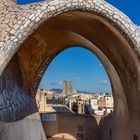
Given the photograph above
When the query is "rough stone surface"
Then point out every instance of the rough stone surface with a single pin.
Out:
(17, 22)
(15, 101)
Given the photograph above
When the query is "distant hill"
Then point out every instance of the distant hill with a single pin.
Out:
(58, 90)
(86, 92)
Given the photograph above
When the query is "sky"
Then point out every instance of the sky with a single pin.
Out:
(83, 67)
(80, 66)
(130, 7)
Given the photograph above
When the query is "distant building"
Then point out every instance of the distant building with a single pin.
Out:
(41, 100)
(109, 101)
(67, 87)
(102, 103)
(71, 102)
(80, 105)
(94, 103)
(86, 104)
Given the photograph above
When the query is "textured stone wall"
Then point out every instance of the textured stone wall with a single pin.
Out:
(18, 120)
(15, 101)
(17, 22)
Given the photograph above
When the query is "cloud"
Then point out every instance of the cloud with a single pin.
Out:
(104, 83)
(56, 83)
(60, 82)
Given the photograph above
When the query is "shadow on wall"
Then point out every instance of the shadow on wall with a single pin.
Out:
(105, 127)
(70, 126)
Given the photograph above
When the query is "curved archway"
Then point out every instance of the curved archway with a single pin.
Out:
(117, 46)
(38, 13)
(76, 64)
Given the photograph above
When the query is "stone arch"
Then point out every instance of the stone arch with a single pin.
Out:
(45, 19)
(18, 28)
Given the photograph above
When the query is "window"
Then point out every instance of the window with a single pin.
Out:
(48, 117)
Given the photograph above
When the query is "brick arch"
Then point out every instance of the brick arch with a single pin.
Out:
(25, 19)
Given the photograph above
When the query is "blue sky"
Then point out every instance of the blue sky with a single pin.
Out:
(83, 67)
(79, 65)
(130, 7)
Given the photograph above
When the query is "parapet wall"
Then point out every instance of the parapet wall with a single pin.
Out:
(72, 126)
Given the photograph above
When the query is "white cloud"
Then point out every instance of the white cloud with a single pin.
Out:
(104, 83)
(56, 83)
(60, 82)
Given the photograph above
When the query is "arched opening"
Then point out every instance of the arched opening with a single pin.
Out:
(99, 36)
(74, 71)
(75, 87)
(75, 64)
